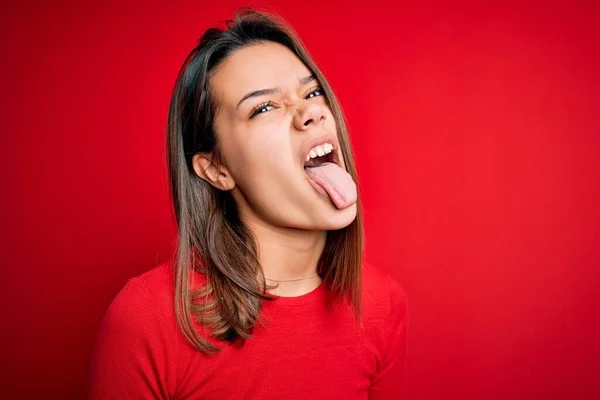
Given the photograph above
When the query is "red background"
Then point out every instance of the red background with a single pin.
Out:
(476, 131)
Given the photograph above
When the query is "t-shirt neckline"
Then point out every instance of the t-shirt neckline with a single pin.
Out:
(307, 298)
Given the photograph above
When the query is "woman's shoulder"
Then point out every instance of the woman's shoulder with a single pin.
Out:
(380, 288)
(384, 299)
(138, 345)
(159, 280)
(142, 296)
(150, 294)
(385, 319)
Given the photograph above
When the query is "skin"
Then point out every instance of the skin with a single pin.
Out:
(262, 160)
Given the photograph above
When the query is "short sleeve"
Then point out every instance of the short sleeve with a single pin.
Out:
(388, 382)
(132, 355)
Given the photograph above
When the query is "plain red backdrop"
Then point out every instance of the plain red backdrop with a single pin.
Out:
(475, 126)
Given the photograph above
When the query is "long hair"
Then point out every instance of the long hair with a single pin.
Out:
(212, 239)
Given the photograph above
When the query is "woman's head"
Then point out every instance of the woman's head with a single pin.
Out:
(249, 109)
(270, 110)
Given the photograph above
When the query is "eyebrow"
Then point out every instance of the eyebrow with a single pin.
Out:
(263, 92)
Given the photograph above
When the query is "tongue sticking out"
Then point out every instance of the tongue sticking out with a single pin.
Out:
(335, 181)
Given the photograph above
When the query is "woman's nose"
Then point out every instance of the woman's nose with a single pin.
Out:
(308, 115)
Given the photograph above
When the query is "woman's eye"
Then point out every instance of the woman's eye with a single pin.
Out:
(315, 92)
(262, 108)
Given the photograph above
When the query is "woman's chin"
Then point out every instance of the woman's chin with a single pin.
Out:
(333, 219)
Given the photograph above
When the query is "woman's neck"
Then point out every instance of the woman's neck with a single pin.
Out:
(286, 253)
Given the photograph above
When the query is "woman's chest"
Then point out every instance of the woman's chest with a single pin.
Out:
(297, 358)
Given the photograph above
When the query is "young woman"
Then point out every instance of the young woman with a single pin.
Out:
(267, 295)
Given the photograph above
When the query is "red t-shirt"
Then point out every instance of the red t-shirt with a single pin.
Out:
(306, 352)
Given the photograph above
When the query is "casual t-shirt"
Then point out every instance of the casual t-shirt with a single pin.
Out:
(308, 350)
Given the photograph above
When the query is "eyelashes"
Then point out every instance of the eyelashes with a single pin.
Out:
(268, 105)
(317, 89)
(259, 108)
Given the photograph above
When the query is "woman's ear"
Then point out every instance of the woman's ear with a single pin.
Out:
(217, 175)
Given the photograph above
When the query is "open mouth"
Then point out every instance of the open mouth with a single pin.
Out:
(322, 154)
(328, 176)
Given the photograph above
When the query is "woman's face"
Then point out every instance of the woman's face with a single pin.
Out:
(271, 112)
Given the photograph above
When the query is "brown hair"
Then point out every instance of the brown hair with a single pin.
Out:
(212, 239)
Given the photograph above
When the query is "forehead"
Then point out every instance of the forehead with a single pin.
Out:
(257, 66)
